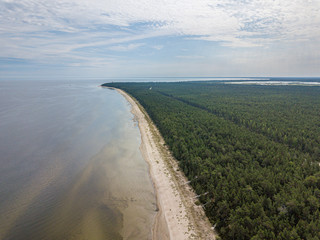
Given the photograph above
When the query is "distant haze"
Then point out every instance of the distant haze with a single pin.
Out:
(125, 38)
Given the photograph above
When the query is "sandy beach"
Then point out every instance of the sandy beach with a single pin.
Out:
(178, 216)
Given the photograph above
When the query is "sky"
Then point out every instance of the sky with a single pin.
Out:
(159, 38)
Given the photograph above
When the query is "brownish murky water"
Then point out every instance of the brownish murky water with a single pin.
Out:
(70, 165)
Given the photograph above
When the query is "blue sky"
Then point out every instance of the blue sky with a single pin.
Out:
(141, 38)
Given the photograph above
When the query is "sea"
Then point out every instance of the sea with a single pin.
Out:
(70, 164)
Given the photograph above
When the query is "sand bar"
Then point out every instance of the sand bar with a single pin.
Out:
(178, 217)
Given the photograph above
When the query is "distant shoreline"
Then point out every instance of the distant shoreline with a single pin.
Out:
(178, 217)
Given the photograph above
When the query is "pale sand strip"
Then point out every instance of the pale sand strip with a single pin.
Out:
(178, 216)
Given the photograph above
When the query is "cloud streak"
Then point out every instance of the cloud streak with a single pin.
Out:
(128, 47)
(48, 30)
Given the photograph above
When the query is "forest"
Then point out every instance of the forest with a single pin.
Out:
(255, 151)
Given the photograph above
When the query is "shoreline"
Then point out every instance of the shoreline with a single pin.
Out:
(178, 217)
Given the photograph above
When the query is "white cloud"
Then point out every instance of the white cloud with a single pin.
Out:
(49, 29)
(128, 47)
(157, 47)
(219, 18)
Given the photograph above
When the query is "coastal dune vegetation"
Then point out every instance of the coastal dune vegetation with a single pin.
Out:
(250, 152)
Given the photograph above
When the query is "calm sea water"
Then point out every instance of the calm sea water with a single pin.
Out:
(70, 165)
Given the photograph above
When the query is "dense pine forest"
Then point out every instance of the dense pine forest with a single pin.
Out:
(255, 151)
